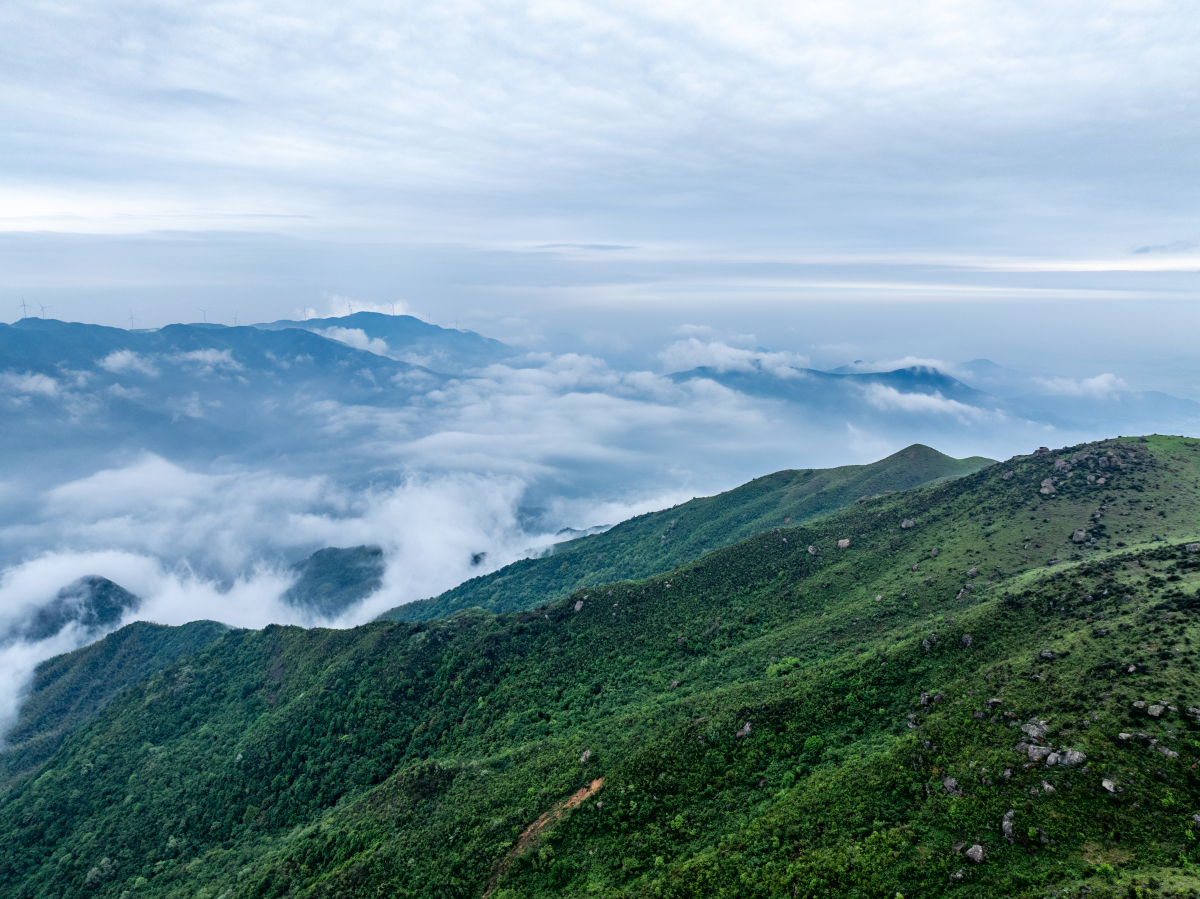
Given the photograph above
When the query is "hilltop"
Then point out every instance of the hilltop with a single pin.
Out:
(660, 541)
(981, 687)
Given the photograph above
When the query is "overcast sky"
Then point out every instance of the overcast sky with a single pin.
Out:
(608, 171)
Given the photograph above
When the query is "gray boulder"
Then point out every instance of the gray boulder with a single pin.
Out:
(1071, 758)
(976, 854)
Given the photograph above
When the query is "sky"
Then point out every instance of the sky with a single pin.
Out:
(525, 168)
(620, 190)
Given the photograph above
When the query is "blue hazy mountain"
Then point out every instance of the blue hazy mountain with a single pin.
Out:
(94, 603)
(908, 397)
(333, 580)
(86, 395)
(409, 339)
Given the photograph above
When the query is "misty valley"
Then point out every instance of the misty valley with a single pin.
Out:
(366, 606)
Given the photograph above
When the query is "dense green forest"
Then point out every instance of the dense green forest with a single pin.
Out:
(69, 689)
(983, 687)
(660, 541)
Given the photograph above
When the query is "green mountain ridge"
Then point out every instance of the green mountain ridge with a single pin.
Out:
(657, 542)
(69, 689)
(849, 707)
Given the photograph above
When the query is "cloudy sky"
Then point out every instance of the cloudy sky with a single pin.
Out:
(600, 171)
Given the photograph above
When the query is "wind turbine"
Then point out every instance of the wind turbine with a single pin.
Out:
(131, 319)
(204, 312)
(235, 315)
(24, 314)
(350, 307)
(393, 305)
(44, 308)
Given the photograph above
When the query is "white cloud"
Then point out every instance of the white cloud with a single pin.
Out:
(684, 355)
(28, 384)
(357, 338)
(890, 399)
(861, 367)
(207, 361)
(121, 361)
(1100, 386)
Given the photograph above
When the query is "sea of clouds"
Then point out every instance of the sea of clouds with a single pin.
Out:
(489, 464)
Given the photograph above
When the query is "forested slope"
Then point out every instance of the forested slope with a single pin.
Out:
(69, 689)
(660, 541)
(783, 717)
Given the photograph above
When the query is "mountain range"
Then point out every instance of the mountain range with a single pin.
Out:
(981, 686)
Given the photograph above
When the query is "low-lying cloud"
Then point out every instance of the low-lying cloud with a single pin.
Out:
(121, 361)
(357, 338)
(1099, 387)
(887, 398)
(684, 355)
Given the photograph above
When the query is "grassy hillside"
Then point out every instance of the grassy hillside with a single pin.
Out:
(781, 717)
(660, 541)
(69, 689)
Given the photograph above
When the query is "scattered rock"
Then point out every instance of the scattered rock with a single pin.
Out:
(967, 640)
(1079, 536)
(579, 605)
(674, 684)
(950, 785)
(993, 703)
(844, 543)
(1047, 788)
(933, 553)
(1140, 705)
(1036, 729)
(879, 598)
(744, 732)
(1124, 736)
(812, 550)
(1052, 759)
(908, 523)
(1155, 711)
(1007, 476)
(587, 754)
(1006, 826)
(976, 854)
(1071, 758)
(957, 876)
(1048, 654)
(924, 699)
(1037, 753)
(1169, 753)
(1193, 547)
(1108, 785)
(1047, 486)
(1100, 632)
(914, 568)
